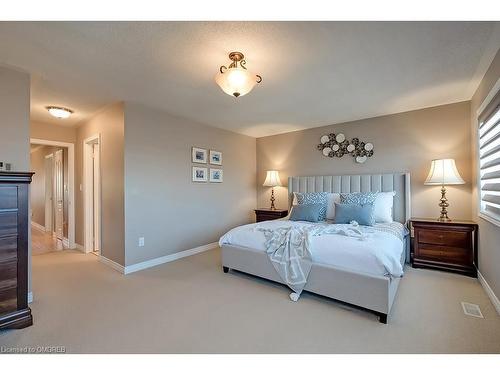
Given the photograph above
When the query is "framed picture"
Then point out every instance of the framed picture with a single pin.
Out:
(200, 174)
(199, 155)
(215, 157)
(216, 175)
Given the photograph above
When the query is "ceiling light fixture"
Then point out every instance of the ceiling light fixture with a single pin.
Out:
(59, 112)
(235, 79)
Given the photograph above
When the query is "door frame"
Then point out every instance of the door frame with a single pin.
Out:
(49, 201)
(88, 193)
(71, 183)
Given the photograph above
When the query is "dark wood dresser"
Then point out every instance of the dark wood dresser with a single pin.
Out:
(447, 246)
(14, 230)
(263, 214)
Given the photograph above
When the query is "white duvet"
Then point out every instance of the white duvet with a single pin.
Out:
(377, 253)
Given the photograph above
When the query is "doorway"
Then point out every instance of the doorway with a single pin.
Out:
(51, 196)
(92, 193)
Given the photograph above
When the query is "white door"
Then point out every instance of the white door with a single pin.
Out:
(96, 197)
(49, 204)
(59, 194)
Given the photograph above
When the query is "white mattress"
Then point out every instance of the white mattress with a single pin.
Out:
(380, 254)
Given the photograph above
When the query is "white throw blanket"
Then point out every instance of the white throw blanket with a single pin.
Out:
(289, 249)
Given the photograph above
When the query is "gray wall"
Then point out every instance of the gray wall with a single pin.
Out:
(109, 124)
(15, 117)
(403, 142)
(161, 202)
(51, 132)
(15, 126)
(489, 234)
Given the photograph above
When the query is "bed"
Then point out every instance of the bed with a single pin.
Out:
(351, 280)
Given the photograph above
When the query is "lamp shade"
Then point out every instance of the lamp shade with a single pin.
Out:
(272, 179)
(444, 172)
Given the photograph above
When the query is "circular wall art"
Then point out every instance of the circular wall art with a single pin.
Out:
(336, 145)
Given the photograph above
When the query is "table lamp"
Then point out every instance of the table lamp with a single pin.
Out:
(444, 172)
(272, 179)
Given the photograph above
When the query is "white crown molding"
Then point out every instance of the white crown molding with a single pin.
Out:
(493, 298)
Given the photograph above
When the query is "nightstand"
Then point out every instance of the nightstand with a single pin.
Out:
(264, 214)
(448, 246)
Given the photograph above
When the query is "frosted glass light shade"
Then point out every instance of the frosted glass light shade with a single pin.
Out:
(272, 179)
(59, 112)
(236, 81)
(444, 172)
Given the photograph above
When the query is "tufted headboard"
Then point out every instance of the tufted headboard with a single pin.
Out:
(398, 182)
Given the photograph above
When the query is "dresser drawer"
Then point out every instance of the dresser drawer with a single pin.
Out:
(8, 300)
(8, 224)
(8, 249)
(458, 255)
(444, 238)
(8, 274)
(9, 197)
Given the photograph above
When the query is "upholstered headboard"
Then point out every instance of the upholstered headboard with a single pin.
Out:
(398, 182)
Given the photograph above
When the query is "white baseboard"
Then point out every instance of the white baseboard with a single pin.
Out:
(493, 298)
(79, 247)
(112, 264)
(168, 258)
(30, 297)
(38, 226)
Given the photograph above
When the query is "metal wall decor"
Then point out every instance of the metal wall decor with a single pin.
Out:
(336, 145)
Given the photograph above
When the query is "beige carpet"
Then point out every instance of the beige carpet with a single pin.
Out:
(190, 306)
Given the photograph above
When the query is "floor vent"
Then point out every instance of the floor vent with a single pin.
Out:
(472, 310)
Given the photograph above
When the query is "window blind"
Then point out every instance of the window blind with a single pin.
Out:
(489, 159)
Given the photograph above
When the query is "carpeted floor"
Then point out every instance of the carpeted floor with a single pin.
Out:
(191, 306)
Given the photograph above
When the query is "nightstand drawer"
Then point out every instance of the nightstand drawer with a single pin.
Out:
(444, 238)
(444, 253)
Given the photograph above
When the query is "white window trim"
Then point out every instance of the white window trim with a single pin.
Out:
(482, 214)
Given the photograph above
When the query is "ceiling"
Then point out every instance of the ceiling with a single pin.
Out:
(314, 73)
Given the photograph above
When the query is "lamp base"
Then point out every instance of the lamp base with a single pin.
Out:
(443, 203)
(273, 208)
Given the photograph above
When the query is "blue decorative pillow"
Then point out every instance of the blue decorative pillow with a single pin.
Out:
(362, 214)
(306, 212)
(358, 198)
(314, 198)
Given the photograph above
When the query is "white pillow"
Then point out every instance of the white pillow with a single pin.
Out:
(330, 208)
(382, 210)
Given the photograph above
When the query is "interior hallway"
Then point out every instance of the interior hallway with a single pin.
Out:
(43, 242)
(191, 306)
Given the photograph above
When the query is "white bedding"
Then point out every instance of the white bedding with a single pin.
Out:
(379, 254)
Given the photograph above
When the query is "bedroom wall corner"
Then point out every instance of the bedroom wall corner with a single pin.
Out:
(162, 204)
(489, 233)
(109, 123)
(404, 142)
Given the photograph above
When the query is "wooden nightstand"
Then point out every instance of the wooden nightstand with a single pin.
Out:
(447, 246)
(264, 214)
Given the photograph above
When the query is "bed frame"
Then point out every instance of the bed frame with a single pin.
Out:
(370, 292)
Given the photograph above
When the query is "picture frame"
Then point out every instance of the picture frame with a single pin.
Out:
(200, 174)
(199, 155)
(215, 157)
(216, 175)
